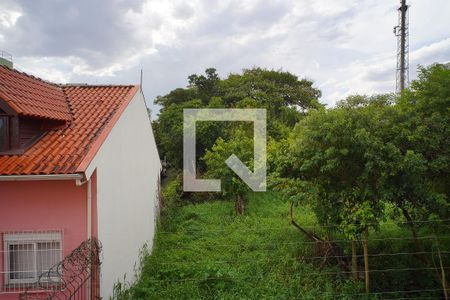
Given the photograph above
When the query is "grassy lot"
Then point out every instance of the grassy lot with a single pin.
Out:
(204, 251)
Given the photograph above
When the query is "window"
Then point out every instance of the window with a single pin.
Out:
(4, 133)
(28, 255)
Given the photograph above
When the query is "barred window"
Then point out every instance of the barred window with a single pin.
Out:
(28, 255)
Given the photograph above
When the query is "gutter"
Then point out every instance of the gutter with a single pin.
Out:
(89, 227)
(77, 176)
(89, 208)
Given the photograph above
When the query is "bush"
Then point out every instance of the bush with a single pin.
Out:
(171, 195)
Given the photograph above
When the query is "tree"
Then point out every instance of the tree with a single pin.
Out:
(422, 135)
(285, 97)
(373, 150)
(206, 86)
(418, 127)
(240, 144)
(168, 130)
(340, 152)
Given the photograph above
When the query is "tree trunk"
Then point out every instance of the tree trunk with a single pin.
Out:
(443, 277)
(323, 247)
(366, 259)
(426, 262)
(239, 205)
(417, 244)
(308, 234)
(420, 253)
(354, 261)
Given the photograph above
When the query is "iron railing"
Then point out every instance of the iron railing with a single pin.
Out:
(75, 277)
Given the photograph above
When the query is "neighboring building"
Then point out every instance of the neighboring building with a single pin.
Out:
(76, 161)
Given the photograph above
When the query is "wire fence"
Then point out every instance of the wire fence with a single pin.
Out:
(297, 259)
(339, 241)
(418, 223)
(432, 262)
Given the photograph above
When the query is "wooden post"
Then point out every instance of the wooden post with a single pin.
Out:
(443, 279)
(366, 259)
(354, 261)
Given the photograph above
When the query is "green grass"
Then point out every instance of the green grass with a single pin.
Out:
(205, 251)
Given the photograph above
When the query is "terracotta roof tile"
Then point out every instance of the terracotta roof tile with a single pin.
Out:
(30, 96)
(93, 112)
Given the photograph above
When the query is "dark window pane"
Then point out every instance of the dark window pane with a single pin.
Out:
(4, 133)
(21, 261)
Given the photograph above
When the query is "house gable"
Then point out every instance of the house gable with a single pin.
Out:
(39, 143)
(127, 168)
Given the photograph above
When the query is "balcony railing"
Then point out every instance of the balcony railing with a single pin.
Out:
(75, 277)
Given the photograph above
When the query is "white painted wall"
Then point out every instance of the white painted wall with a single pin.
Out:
(128, 169)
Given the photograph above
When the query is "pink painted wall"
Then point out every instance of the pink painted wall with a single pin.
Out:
(44, 205)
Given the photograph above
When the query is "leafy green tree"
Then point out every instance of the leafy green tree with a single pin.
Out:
(169, 131)
(357, 101)
(340, 152)
(335, 149)
(206, 86)
(273, 89)
(373, 150)
(284, 95)
(422, 134)
(240, 144)
(418, 127)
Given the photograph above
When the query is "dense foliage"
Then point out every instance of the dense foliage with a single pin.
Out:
(370, 169)
(370, 153)
(203, 251)
(283, 95)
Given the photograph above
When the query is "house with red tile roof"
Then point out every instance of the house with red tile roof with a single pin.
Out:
(77, 163)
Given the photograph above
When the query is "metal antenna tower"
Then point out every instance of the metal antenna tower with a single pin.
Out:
(401, 31)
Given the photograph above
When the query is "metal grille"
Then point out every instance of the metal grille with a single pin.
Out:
(75, 277)
(25, 256)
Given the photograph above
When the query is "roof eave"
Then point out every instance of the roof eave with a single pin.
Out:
(39, 177)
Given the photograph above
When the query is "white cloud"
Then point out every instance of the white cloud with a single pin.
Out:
(331, 8)
(58, 70)
(346, 46)
(435, 52)
(9, 13)
(9, 18)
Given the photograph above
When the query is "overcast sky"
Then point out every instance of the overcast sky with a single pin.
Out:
(344, 46)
